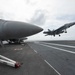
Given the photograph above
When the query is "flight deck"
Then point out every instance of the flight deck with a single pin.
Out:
(40, 58)
(32, 63)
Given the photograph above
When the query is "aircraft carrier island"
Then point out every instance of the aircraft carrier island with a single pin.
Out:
(32, 62)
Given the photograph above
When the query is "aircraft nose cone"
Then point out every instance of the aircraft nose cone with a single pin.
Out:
(14, 29)
(35, 29)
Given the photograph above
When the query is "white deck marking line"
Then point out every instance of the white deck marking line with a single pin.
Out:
(35, 51)
(60, 45)
(52, 67)
(57, 48)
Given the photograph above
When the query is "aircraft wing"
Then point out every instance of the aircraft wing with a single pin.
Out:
(61, 29)
(49, 32)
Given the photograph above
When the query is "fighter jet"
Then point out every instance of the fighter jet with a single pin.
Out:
(15, 31)
(59, 30)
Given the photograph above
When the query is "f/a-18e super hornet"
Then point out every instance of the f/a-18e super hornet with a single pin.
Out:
(59, 30)
(14, 31)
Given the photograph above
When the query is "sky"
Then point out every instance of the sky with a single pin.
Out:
(48, 14)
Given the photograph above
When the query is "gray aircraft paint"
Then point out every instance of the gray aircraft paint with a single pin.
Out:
(15, 29)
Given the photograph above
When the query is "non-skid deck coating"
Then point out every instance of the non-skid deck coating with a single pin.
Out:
(59, 54)
(33, 63)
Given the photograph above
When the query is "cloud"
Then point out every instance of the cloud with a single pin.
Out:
(31, 2)
(66, 17)
(27, 1)
(6, 15)
(48, 14)
(38, 18)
